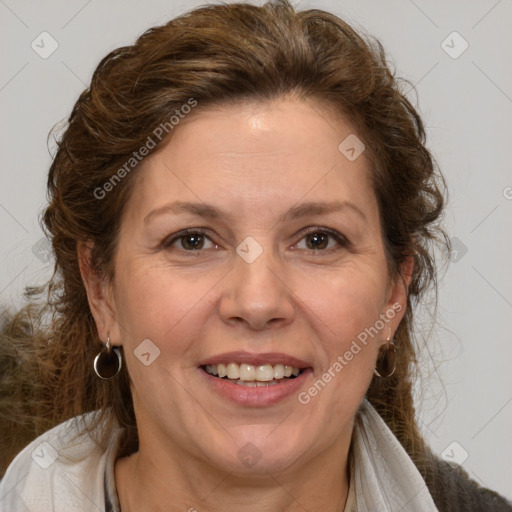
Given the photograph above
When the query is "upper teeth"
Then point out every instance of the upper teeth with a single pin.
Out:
(248, 372)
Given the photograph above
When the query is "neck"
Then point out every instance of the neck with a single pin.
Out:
(153, 481)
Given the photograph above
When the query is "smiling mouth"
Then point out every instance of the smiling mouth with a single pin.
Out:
(253, 375)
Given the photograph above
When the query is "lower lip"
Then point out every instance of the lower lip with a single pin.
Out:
(256, 396)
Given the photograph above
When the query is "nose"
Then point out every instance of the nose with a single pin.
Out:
(257, 294)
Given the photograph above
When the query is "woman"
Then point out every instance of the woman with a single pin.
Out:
(243, 214)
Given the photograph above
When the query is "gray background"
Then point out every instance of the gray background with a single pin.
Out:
(465, 394)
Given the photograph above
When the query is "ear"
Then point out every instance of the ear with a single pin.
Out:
(398, 293)
(99, 295)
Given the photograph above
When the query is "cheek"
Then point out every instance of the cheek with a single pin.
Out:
(344, 310)
(341, 309)
(346, 301)
(170, 309)
(153, 302)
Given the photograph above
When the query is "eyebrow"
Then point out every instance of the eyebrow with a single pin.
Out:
(296, 212)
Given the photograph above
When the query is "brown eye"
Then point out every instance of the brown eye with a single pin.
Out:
(322, 240)
(317, 240)
(191, 242)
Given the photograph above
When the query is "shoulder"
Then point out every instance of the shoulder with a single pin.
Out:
(61, 470)
(454, 490)
(382, 461)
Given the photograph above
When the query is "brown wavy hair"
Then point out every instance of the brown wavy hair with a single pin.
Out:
(216, 55)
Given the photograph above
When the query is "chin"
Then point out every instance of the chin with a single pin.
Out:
(260, 450)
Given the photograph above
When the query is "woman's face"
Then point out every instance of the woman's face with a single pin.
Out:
(282, 265)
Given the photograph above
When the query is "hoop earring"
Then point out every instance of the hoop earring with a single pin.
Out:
(107, 363)
(386, 361)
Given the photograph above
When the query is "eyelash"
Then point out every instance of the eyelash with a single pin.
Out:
(341, 239)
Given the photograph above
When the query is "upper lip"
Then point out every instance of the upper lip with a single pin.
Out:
(241, 357)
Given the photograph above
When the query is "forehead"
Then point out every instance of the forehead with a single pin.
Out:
(246, 155)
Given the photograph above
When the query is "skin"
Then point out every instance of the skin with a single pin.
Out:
(254, 161)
